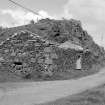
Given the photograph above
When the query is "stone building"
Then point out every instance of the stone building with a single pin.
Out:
(78, 49)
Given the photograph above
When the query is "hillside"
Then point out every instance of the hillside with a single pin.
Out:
(37, 51)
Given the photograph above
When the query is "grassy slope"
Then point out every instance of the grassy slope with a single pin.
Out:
(96, 96)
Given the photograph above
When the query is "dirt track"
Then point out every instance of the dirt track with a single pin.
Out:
(40, 92)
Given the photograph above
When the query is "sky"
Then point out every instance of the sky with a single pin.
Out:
(90, 12)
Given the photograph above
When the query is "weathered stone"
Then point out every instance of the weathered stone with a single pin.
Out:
(48, 61)
(24, 65)
(13, 54)
(47, 49)
(47, 55)
(33, 60)
(40, 60)
(70, 45)
(54, 55)
(1, 59)
(6, 51)
(47, 73)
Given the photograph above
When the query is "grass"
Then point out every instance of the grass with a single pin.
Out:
(95, 96)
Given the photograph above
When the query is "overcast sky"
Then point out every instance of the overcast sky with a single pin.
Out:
(90, 12)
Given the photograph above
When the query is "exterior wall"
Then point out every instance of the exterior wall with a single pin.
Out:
(66, 59)
(88, 60)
